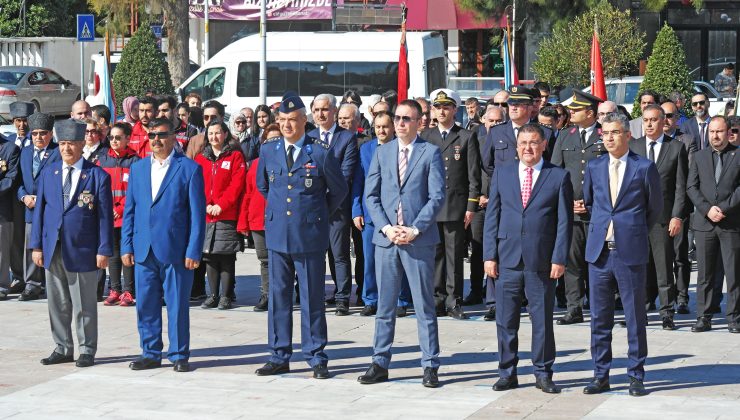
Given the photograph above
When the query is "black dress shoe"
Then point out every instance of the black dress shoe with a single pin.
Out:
(472, 299)
(181, 365)
(401, 311)
(56, 358)
(547, 385)
(369, 310)
(374, 375)
(85, 360)
(144, 363)
(27, 295)
(507, 383)
(571, 317)
(431, 380)
(271, 368)
(597, 386)
(457, 312)
(17, 286)
(734, 328)
(683, 309)
(702, 324)
(668, 323)
(261, 306)
(342, 308)
(490, 314)
(321, 371)
(637, 389)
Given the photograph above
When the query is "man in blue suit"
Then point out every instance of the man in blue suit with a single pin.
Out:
(525, 246)
(342, 144)
(72, 238)
(19, 259)
(303, 185)
(404, 191)
(34, 158)
(622, 191)
(383, 128)
(162, 233)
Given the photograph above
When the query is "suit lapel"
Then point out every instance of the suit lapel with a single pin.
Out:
(541, 179)
(639, 146)
(171, 172)
(729, 161)
(667, 141)
(146, 174)
(516, 186)
(394, 166)
(304, 155)
(595, 136)
(452, 135)
(44, 159)
(629, 173)
(419, 149)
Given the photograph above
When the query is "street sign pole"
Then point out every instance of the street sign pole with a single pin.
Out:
(85, 33)
(82, 71)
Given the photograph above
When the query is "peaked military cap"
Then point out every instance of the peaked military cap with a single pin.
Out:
(40, 121)
(70, 130)
(581, 99)
(521, 94)
(20, 109)
(445, 97)
(290, 104)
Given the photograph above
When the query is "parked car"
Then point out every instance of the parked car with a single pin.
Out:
(43, 87)
(6, 126)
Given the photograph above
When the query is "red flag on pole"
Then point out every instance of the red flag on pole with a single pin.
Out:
(598, 88)
(403, 63)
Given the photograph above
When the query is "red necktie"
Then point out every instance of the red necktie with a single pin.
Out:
(527, 187)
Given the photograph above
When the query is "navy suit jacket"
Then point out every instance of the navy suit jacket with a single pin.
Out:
(639, 205)
(343, 147)
(421, 194)
(538, 235)
(172, 225)
(28, 182)
(691, 127)
(359, 207)
(83, 232)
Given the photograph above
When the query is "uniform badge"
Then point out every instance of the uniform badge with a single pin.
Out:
(573, 130)
(3, 166)
(457, 152)
(86, 199)
(308, 182)
(83, 176)
(272, 177)
(46, 154)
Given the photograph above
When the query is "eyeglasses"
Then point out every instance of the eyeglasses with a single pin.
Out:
(240, 122)
(118, 137)
(209, 117)
(154, 134)
(39, 133)
(529, 144)
(669, 115)
(91, 132)
(405, 118)
(699, 103)
(501, 104)
(735, 130)
(612, 133)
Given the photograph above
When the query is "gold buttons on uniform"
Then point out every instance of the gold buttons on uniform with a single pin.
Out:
(290, 173)
(289, 213)
(447, 158)
(583, 161)
(289, 200)
(290, 187)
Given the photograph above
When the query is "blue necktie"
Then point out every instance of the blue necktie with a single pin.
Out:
(67, 187)
(36, 162)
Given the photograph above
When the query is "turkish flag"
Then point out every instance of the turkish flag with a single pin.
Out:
(598, 88)
(403, 67)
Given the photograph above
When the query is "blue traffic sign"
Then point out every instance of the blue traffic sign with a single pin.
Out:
(85, 28)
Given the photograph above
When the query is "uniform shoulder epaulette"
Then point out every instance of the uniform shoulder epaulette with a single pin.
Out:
(322, 143)
(272, 140)
(497, 124)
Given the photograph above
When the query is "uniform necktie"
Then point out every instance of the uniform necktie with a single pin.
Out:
(717, 166)
(614, 192)
(651, 154)
(527, 187)
(516, 132)
(67, 187)
(289, 157)
(402, 165)
(36, 162)
(583, 138)
(444, 136)
(702, 143)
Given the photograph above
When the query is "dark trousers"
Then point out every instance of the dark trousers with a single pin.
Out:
(221, 271)
(659, 280)
(513, 283)
(576, 272)
(339, 258)
(17, 247)
(708, 245)
(261, 249)
(606, 273)
(681, 263)
(357, 242)
(116, 267)
(448, 264)
(475, 233)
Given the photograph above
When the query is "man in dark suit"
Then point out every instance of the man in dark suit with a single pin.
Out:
(19, 113)
(697, 127)
(714, 188)
(575, 147)
(72, 238)
(623, 194)
(9, 153)
(342, 144)
(405, 190)
(461, 155)
(671, 159)
(526, 242)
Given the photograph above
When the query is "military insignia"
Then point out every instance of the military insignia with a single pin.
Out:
(514, 89)
(573, 130)
(272, 177)
(46, 154)
(85, 198)
(457, 152)
(308, 182)
(56, 172)
(309, 165)
(3, 166)
(83, 176)
(80, 203)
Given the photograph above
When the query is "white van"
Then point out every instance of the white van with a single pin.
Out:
(311, 63)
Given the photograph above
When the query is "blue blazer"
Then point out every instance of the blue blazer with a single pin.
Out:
(28, 182)
(299, 199)
(639, 205)
(422, 193)
(83, 232)
(359, 207)
(172, 225)
(343, 147)
(539, 234)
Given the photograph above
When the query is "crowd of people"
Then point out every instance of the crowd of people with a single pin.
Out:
(575, 206)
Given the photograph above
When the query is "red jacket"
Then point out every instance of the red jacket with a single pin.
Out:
(252, 215)
(224, 181)
(139, 136)
(118, 166)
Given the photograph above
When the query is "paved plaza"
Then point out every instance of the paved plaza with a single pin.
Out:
(689, 375)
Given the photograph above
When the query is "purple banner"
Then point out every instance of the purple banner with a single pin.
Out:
(250, 9)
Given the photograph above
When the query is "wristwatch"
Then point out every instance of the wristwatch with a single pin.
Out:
(415, 231)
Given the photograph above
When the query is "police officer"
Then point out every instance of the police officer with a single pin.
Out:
(575, 146)
(303, 185)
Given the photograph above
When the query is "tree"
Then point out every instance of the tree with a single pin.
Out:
(563, 59)
(43, 17)
(142, 68)
(666, 70)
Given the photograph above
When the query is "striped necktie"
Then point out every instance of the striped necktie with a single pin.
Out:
(402, 165)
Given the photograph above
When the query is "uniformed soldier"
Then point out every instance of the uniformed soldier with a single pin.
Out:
(575, 146)
(461, 156)
(303, 185)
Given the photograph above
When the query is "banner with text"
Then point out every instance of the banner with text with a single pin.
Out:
(250, 9)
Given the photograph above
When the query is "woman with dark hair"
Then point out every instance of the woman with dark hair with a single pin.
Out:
(262, 118)
(223, 175)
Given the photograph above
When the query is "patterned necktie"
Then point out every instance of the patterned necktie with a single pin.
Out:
(36, 162)
(651, 154)
(289, 157)
(527, 187)
(702, 144)
(67, 187)
(402, 164)
(717, 166)
(614, 192)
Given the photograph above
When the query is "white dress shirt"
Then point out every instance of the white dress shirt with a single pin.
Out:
(297, 146)
(88, 150)
(535, 173)
(620, 173)
(331, 131)
(589, 131)
(410, 148)
(75, 176)
(659, 143)
(159, 170)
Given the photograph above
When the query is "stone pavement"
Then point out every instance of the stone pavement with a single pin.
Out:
(694, 376)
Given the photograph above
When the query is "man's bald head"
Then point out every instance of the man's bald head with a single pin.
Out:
(80, 110)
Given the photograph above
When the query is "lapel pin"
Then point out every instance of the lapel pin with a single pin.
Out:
(56, 172)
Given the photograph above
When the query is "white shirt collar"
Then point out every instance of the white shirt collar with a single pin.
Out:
(330, 131)
(623, 159)
(537, 167)
(659, 140)
(77, 165)
(166, 161)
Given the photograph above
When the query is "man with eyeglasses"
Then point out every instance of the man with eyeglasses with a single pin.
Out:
(734, 130)
(166, 109)
(647, 97)
(501, 98)
(9, 154)
(426, 116)
(698, 127)
(461, 155)
(605, 108)
(576, 146)
(34, 158)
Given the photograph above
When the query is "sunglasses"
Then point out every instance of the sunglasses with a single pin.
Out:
(154, 134)
(39, 133)
(92, 132)
(240, 122)
(118, 137)
(735, 130)
(669, 115)
(502, 104)
(699, 103)
(406, 119)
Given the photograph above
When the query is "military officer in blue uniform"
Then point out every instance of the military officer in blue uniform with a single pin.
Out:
(303, 185)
